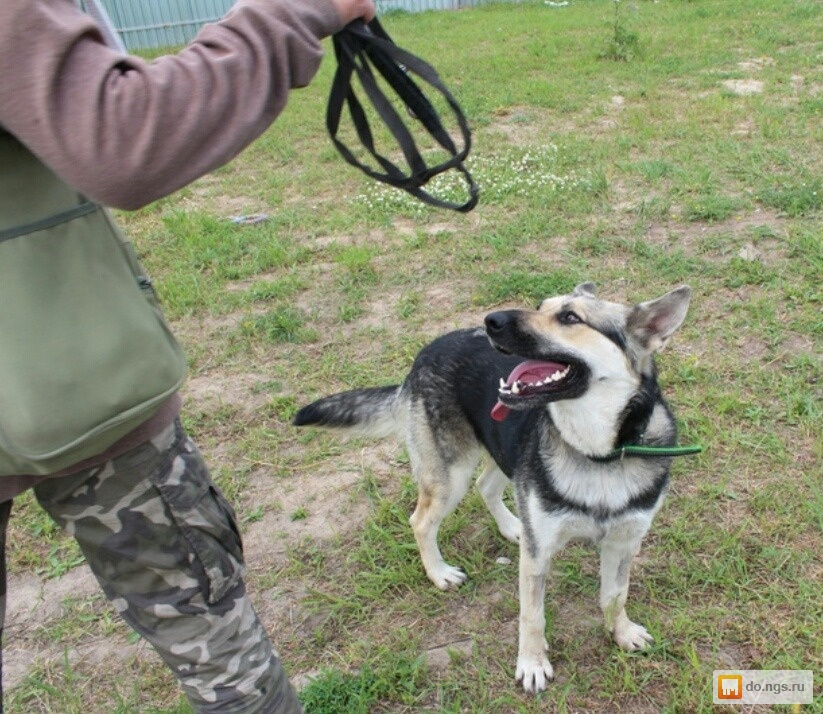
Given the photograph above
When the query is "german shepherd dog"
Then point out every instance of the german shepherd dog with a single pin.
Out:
(581, 384)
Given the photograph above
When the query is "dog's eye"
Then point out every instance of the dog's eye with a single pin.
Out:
(568, 317)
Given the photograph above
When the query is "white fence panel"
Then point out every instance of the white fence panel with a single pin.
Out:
(156, 24)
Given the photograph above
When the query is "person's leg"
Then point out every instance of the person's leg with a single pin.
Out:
(163, 543)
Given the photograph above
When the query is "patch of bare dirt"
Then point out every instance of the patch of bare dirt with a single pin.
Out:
(208, 194)
(744, 87)
(756, 64)
(533, 126)
(522, 126)
(230, 206)
(207, 329)
(408, 227)
(689, 237)
(318, 506)
(243, 391)
(35, 605)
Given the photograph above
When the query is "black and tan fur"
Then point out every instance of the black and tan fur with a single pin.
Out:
(600, 392)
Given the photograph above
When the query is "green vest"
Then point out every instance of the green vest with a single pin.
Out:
(85, 353)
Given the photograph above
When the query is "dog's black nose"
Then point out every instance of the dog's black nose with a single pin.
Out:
(496, 322)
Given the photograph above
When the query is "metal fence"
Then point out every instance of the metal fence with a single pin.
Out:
(169, 23)
(422, 5)
(162, 23)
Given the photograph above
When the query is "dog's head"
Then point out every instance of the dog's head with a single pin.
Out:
(572, 341)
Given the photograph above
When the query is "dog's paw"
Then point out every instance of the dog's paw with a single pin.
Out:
(510, 528)
(534, 672)
(632, 637)
(446, 576)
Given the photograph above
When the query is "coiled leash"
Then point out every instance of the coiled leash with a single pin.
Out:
(363, 49)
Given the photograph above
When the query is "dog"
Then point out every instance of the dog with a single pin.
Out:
(550, 396)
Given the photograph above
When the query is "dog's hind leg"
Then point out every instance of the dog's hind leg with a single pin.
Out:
(441, 486)
(492, 485)
(617, 551)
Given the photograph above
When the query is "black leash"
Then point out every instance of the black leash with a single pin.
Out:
(363, 49)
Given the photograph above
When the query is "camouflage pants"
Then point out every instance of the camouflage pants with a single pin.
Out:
(163, 544)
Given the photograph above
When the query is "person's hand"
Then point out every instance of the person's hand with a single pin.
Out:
(353, 9)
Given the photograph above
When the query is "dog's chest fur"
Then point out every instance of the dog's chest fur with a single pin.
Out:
(566, 481)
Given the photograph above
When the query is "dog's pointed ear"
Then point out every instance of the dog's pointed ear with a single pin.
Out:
(653, 323)
(585, 290)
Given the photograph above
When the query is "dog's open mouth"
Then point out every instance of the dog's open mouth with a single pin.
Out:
(528, 383)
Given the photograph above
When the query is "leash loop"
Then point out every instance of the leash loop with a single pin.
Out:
(365, 51)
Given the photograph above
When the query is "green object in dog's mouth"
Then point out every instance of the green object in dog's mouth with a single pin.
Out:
(529, 379)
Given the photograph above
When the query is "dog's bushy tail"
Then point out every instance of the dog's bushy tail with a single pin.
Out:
(370, 412)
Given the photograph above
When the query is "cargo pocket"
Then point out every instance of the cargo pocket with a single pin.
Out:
(206, 520)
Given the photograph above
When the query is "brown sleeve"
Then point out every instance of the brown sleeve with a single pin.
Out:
(126, 131)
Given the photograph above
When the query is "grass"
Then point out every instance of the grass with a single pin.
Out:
(637, 174)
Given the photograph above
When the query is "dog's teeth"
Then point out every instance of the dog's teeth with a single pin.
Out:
(517, 386)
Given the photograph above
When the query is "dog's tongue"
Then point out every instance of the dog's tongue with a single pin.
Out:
(537, 372)
(500, 411)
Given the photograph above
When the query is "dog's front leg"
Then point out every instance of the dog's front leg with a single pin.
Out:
(533, 667)
(617, 551)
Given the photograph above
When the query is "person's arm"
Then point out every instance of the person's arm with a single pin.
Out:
(126, 131)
